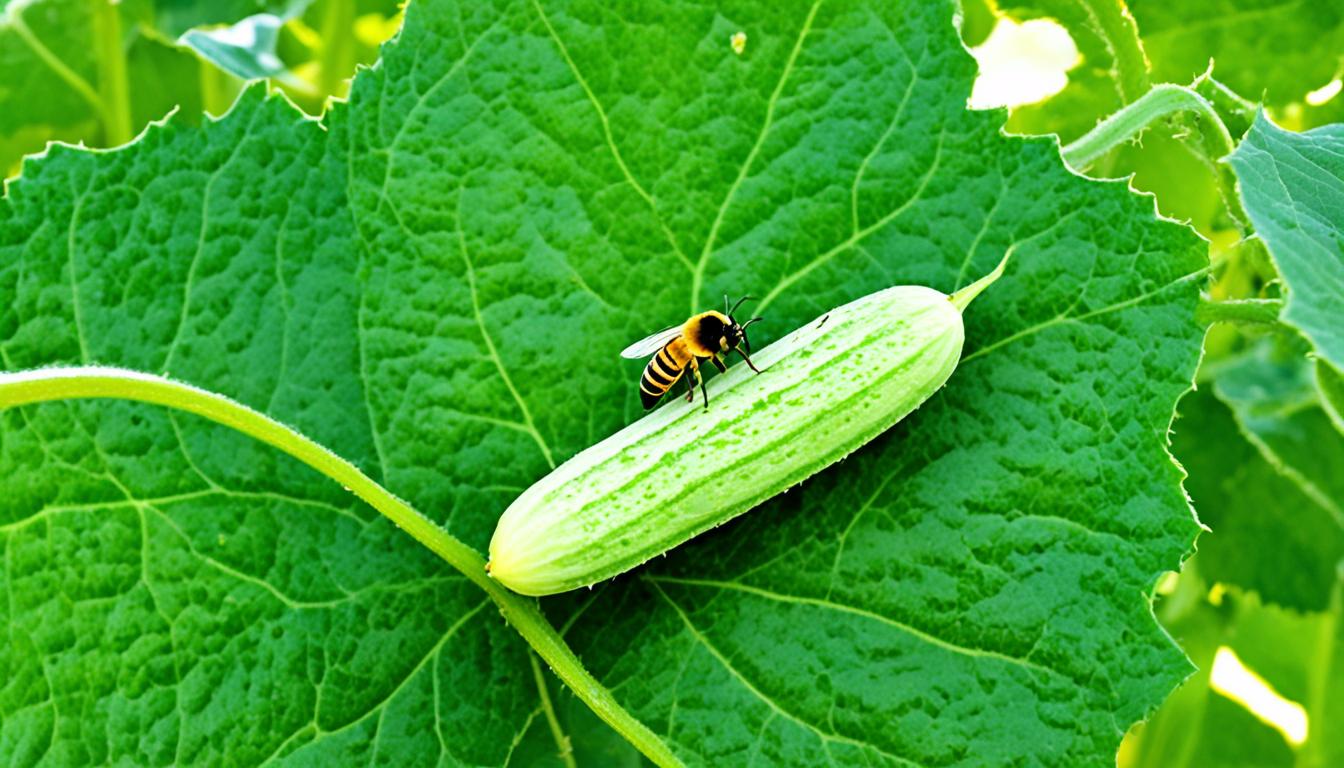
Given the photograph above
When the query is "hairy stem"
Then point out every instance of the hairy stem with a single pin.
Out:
(1239, 311)
(1113, 26)
(1111, 21)
(52, 384)
(1162, 101)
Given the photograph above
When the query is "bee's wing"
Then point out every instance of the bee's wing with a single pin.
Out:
(650, 344)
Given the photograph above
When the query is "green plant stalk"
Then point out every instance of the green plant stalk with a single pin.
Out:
(94, 382)
(218, 89)
(1316, 751)
(1113, 22)
(1237, 113)
(1162, 101)
(1238, 311)
(337, 59)
(113, 90)
(1129, 122)
(564, 749)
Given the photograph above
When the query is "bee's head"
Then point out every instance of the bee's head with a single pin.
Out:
(735, 334)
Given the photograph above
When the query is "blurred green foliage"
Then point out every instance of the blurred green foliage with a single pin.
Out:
(97, 71)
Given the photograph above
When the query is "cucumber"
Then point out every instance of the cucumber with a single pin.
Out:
(824, 390)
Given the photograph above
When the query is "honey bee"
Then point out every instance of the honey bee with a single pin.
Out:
(707, 335)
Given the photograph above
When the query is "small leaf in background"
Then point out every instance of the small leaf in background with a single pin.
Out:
(1292, 185)
(1272, 392)
(246, 50)
(175, 18)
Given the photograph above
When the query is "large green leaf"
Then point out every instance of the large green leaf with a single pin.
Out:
(1292, 185)
(435, 282)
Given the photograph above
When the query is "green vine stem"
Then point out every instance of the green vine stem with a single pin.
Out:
(1163, 100)
(337, 56)
(1238, 311)
(113, 91)
(54, 384)
(1160, 101)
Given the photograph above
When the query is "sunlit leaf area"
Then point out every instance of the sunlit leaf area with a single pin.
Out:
(1025, 447)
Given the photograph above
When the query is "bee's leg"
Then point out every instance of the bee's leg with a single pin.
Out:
(701, 381)
(690, 388)
(748, 359)
(723, 368)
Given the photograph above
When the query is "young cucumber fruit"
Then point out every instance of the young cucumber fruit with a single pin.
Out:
(824, 390)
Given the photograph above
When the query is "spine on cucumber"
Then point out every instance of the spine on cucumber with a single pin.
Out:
(825, 390)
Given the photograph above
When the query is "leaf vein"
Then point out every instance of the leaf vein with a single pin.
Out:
(610, 139)
(822, 735)
(698, 276)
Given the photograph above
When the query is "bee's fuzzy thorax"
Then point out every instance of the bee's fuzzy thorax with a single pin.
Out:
(703, 331)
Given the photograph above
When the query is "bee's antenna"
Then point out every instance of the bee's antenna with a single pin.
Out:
(752, 320)
(738, 304)
(725, 305)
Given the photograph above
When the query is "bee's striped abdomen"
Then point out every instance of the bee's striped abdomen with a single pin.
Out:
(663, 370)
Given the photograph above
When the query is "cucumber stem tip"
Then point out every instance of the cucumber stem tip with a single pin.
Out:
(962, 298)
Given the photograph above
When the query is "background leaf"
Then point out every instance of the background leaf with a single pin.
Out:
(1260, 517)
(245, 50)
(97, 71)
(436, 286)
(1292, 185)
